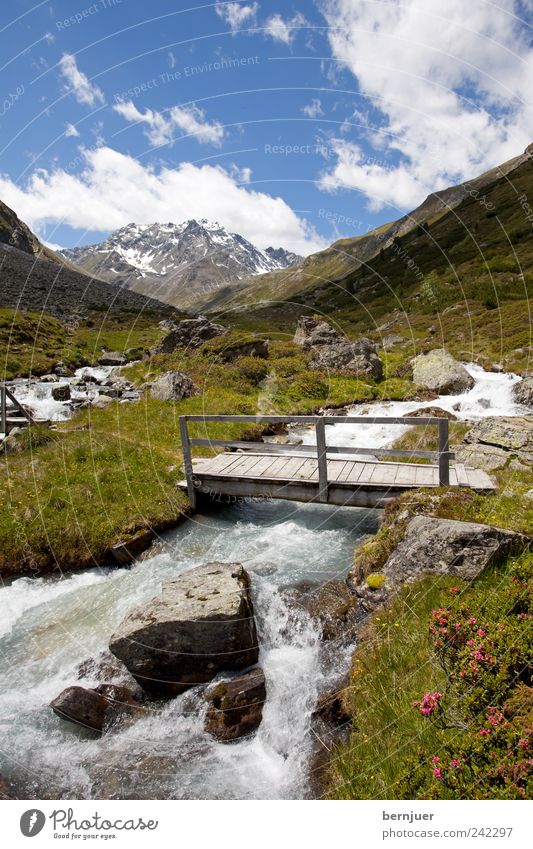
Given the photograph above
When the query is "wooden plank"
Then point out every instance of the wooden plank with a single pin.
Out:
(347, 473)
(308, 471)
(406, 475)
(462, 477)
(426, 476)
(335, 468)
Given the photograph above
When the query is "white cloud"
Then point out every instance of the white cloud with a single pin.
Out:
(78, 83)
(114, 189)
(161, 127)
(283, 30)
(71, 131)
(313, 109)
(451, 86)
(237, 14)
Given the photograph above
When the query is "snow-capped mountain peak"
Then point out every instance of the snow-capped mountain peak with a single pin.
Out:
(179, 263)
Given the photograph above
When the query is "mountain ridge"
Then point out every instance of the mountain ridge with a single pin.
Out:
(177, 263)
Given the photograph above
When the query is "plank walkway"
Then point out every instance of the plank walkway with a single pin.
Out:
(358, 477)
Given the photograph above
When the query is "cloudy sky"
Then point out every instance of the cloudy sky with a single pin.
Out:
(291, 123)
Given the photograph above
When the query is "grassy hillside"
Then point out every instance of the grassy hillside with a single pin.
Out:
(462, 279)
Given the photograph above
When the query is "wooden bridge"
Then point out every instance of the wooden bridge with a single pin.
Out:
(12, 413)
(329, 474)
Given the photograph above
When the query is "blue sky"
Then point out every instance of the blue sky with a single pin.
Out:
(291, 123)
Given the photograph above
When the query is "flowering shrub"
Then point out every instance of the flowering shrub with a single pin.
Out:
(483, 644)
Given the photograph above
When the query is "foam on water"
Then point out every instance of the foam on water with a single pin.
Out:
(54, 624)
(37, 396)
(491, 395)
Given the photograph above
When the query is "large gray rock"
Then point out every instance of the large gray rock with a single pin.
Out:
(478, 456)
(96, 708)
(438, 371)
(333, 606)
(513, 433)
(311, 332)
(439, 547)
(172, 386)
(523, 391)
(333, 352)
(112, 358)
(190, 333)
(235, 705)
(201, 624)
(359, 358)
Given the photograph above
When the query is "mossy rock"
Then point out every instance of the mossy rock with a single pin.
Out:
(376, 580)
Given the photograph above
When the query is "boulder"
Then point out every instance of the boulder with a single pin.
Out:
(61, 392)
(201, 624)
(235, 705)
(391, 341)
(333, 606)
(172, 386)
(48, 378)
(477, 456)
(101, 402)
(83, 706)
(190, 333)
(440, 547)
(61, 370)
(434, 412)
(87, 377)
(359, 358)
(511, 434)
(311, 332)
(246, 348)
(438, 371)
(523, 391)
(96, 708)
(129, 548)
(331, 706)
(112, 358)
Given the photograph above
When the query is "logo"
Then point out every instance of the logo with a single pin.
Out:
(32, 822)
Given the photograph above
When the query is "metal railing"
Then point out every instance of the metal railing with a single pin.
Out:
(6, 393)
(442, 456)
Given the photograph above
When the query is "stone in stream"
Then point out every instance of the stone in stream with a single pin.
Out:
(172, 386)
(438, 371)
(61, 392)
(235, 705)
(523, 391)
(332, 605)
(201, 624)
(96, 708)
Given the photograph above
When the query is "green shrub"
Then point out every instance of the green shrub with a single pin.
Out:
(307, 385)
(376, 580)
(254, 369)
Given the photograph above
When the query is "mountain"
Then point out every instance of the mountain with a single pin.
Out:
(352, 258)
(35, 278)
(181, 264)
(16, 233)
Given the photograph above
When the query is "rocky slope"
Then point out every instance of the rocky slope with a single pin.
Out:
(33, 283)
(181, 264)
(16, 233)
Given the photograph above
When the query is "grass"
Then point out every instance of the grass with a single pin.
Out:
(393, 748)
(34, 342)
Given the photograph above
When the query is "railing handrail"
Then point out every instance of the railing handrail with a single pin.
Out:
(4, 394)
(443, 455)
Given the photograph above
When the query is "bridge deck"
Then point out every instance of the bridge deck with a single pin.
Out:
(350, 481)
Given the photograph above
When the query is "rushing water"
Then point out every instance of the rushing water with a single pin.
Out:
(491, 395)
(37, 396)
(51, 625)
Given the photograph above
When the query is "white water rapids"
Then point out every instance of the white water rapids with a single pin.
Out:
(50, 625)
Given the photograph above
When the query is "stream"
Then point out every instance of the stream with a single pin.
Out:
(50, 625)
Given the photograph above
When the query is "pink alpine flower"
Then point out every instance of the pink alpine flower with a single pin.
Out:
(437, 773)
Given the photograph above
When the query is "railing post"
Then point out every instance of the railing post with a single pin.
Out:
(444, 455)
(3, 413)
(187, 461)
(322, 460)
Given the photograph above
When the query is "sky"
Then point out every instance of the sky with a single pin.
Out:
(293, 124)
